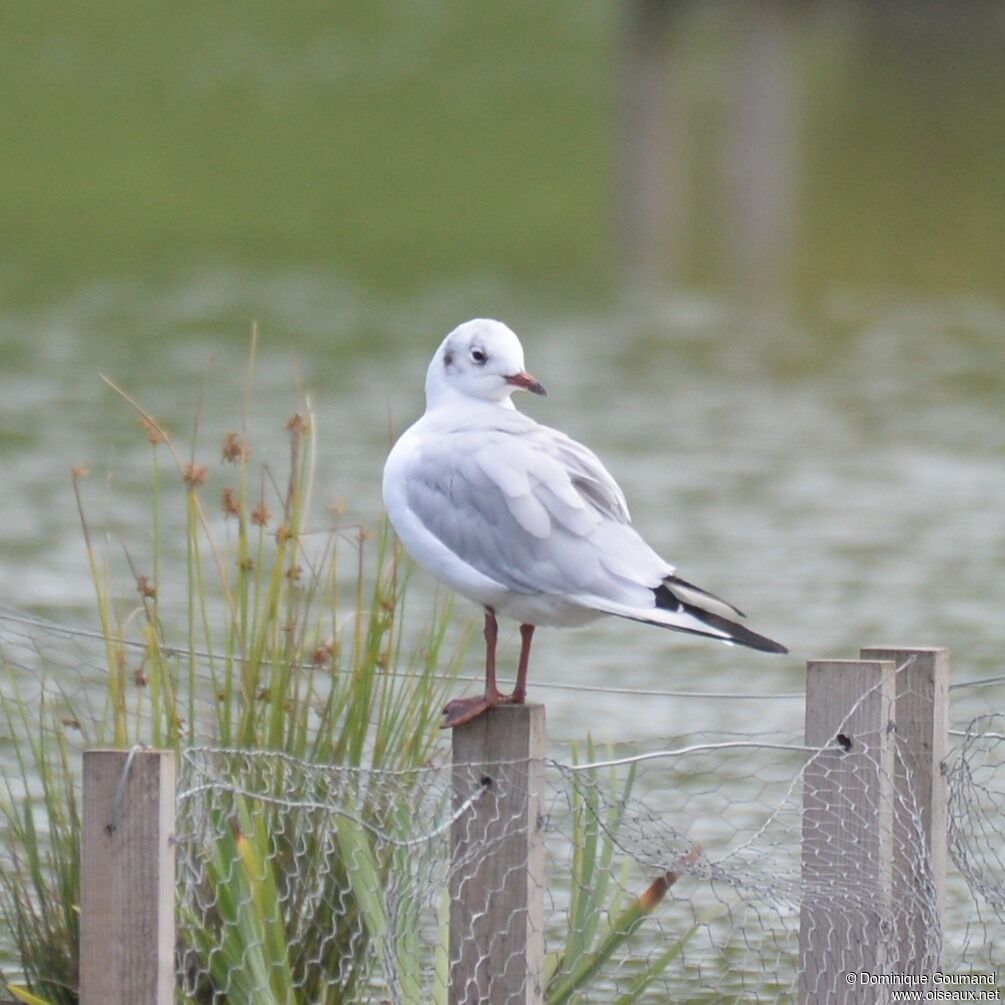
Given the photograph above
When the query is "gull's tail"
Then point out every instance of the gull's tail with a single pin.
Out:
(684, 607)
(688, 608)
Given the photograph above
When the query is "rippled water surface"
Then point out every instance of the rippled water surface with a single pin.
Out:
(804, 408)
(840, 477)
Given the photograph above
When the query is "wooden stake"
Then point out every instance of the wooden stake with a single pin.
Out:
(127, 878)
(921, 712)
(847, 829)
(497, 865)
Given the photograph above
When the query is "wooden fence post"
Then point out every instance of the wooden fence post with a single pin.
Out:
(127, 932)
(847, 829)
(497, 859)
(921, 712)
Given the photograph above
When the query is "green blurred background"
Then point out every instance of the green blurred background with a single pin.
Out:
(754, 250)
(402, 144)
(394, 143)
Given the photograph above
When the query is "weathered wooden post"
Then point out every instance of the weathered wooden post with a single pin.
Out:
(847, 829)
(497, 864)
(127, 933)
(921, 712)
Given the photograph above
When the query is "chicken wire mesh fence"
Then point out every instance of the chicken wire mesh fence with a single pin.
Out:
(320, 884)
(687, 873)
(975, 773)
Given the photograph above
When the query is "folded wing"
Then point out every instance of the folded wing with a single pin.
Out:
(538, 513)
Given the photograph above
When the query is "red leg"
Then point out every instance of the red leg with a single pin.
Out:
(491, 637)
(462, 710)
(520, 691)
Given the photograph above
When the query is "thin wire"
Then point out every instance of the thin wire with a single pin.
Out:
(980, 682)
(983, 736)
(189, 755)
(120, 790)
(679, 751)
(312, 804)
(11, 614)
(652, 693)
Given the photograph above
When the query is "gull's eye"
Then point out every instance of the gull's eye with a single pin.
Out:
(479, 356)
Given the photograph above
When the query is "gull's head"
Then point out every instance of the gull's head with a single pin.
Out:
(479, 359)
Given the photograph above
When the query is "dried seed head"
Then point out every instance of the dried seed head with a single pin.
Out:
(293, 573)
(296, 423)
(260, 515)
(323, 653)
(231, 506)
(234, 451)
(145, 588)
(154, 432)
(338, 506)
(194, 474)
(139, 677)
(79, 471)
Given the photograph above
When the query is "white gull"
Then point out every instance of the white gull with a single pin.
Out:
(523, 520)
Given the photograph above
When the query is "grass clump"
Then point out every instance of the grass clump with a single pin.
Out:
(283, 638)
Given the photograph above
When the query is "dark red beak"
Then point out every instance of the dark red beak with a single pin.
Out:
(527, 382)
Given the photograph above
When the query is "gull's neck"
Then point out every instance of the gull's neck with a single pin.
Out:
(445, 398)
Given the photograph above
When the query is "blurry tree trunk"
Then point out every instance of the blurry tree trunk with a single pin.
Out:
(756, 187)
(760, 168)
(649, 186)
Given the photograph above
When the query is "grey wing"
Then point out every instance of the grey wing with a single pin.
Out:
(536, 513)
(589, 475)
(501, 536)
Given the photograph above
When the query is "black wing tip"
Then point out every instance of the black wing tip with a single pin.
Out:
(666, 599)
(771, 646)
(741, 635)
